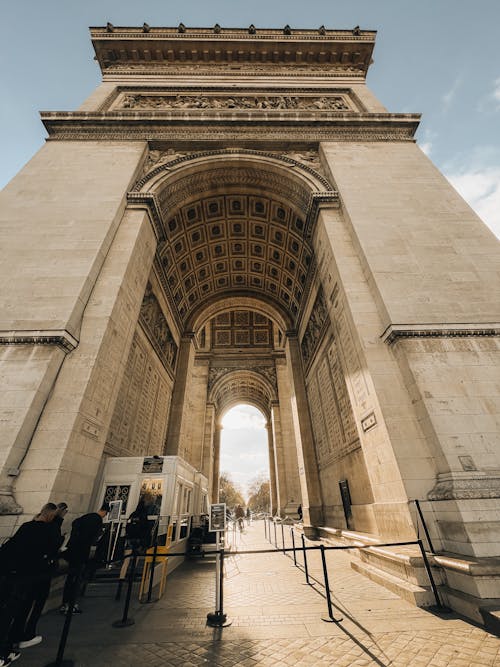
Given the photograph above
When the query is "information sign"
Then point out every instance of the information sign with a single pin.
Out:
(217, 518)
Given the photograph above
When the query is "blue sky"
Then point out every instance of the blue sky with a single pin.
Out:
(437, 57)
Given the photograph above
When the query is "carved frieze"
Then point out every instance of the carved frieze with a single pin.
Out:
(154, 323)
(315, 328)
(269, 102)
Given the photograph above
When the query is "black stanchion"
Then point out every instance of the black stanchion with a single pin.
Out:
(152, 574)
(125, 621)
(293, 546)
(305, 558)
(283, 537)
(275, 538)
(219, 619)
(439, 607)
(331, 618)
(60, 661)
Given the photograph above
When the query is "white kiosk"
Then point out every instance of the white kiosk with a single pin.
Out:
(174, 492)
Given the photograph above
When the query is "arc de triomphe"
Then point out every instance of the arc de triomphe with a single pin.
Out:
(232, 216)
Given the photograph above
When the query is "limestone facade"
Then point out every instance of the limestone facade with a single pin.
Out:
(232, 216)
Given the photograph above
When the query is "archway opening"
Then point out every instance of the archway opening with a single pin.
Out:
(244, 457)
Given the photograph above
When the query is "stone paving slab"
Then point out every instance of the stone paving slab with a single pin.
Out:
(276, 621)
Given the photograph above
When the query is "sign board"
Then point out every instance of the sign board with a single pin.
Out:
(152, 464)
(115, 510)
(217, 522)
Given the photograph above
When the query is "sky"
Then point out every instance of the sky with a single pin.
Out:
(437, 57)
(243, 447)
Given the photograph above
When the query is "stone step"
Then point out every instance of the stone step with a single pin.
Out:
(417, 595)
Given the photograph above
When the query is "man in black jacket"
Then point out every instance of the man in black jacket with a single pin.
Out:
(27, 563)
(85, 532)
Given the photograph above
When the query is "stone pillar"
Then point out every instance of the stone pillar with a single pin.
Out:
(66, 450)
(216, 465)
(287, 468)
(273, 495)
(174, 445)
(207, 462)
(308, 469)
(194, 410)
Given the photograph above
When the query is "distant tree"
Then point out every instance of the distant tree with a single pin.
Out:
(259, 491)
(229, 492)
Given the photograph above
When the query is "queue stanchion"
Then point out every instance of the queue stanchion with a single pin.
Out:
(275, 538)
(306, 571)
(331, 618)
(152, 573)
(60, 661)
(218, 619)
(283, 537)
(125, 621)
(265, 527)
(293, 546)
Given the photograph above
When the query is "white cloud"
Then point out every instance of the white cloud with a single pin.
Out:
(243, 417)
(426, 147)
(496, 92)
(480, 187)
(449, 96)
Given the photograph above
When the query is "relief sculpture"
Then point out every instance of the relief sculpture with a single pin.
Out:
(315, 328)
(288, 102)
(154, 322)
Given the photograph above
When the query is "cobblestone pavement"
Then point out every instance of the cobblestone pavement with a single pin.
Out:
(276, 621)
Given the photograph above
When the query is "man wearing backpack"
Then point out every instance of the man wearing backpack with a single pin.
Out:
(85, 532)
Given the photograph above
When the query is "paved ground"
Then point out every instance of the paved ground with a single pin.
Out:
(276, 621)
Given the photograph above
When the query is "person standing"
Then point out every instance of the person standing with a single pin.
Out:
(27, 561)
(239, 514)
(85, 532)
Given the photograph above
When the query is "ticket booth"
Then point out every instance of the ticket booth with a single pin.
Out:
(172, 489)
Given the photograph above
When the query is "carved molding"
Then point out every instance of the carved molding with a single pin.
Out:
(62, 339)
(307, 161)
(465, 486)
(239, 126)
(215, 373)
(395, 332)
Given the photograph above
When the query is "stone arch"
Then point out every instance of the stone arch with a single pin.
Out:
(242, 386)
(234, 223)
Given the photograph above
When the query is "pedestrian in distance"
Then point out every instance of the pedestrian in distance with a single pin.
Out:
(239, 514)
(27, 563)
(85, 533)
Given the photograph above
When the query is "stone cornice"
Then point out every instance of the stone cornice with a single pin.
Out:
(395, 332)
(60, 338)
(210, 50)
(188, 127)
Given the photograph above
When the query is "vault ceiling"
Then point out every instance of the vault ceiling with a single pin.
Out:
(232, 244)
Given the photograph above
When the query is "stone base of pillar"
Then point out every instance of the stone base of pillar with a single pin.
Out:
(8, 504)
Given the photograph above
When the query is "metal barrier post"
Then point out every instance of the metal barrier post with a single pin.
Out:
(152, 566)
(440, 607)
(125, 621)
(331, 618)
(59, 661)
(283, 536)
(265, 527)
(424, 526)
(293, 546)
(305, 558)
(218, 619)
(275, 538)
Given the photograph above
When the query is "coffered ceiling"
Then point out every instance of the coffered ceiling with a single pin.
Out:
(236, 244)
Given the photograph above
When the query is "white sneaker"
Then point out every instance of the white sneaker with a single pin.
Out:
(30, 642)
(13, 655)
